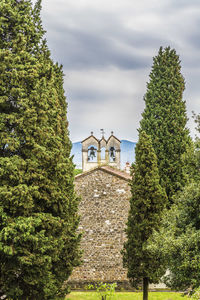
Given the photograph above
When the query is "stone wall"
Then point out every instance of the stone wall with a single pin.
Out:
(104, 209)
(99, 160)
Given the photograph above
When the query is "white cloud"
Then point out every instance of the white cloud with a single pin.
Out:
(110, 99)
(106, 47)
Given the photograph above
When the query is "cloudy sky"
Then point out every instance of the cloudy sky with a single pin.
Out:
(106, 48)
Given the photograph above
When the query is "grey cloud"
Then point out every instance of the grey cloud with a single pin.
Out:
(86, 95)
(97, 37)
(182, 3)
(116, 108)
(194, 38)
(192, 62)
(81, 49)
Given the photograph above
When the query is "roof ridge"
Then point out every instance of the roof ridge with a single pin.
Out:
(108, 169)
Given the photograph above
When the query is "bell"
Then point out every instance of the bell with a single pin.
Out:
(112, 152)
(92, 153)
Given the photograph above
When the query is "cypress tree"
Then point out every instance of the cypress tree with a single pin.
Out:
(146, 205)
(164, 118)
(38, 207)
(197, 143)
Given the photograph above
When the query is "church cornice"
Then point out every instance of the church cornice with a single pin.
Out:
(112, 136)
(105, 168)
(89, 137)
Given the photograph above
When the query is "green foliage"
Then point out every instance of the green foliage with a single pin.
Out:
(38, 205)
(164, 119)
(179, 239)
(105, 291)
(179, 236)
(197, 121)
(191, 162)
(77, 171)
(146, 205)
(192, 156)
(196, 294)
(197, 142)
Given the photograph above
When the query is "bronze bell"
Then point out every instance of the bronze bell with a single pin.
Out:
(92, 153)
(112, 152)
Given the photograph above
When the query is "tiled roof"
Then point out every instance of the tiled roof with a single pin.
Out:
(108, 169)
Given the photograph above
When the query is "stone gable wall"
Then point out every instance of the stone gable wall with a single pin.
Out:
(104, 211)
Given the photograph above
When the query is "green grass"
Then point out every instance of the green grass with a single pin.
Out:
(127, 296)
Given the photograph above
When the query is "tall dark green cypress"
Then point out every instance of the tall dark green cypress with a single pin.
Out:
(164, 118)
(197, 141)
(146, 205)
(39, 245)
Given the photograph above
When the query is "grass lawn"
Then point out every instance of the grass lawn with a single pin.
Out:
(127, 296)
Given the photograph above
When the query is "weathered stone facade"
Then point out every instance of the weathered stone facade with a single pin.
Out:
(105, 194)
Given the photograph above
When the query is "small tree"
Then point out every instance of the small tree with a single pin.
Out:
(179, 239)
(179, 235)
(164, 119)
(146, 205)
(104, 291)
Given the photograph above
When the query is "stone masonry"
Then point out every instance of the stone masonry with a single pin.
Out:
(92, 152)
(104, 207)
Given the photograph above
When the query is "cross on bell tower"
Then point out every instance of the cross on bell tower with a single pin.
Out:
(102, 132)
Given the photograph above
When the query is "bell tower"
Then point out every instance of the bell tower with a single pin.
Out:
(97, 152)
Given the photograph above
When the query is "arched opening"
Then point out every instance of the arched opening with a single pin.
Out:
(103, 153)
(112, 154)
(92, 153)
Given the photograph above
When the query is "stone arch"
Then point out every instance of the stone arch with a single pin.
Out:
(113, 145)
(112, 154)
(92, 154)
(100, 152)
(103, 153)
(90, 148)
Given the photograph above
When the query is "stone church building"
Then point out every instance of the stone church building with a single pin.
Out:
(105, 192)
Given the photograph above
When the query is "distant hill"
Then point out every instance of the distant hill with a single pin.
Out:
(127, 153)
(77, 153)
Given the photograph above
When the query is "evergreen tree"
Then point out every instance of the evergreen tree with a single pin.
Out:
(164, 119)
(197, 141)
(38, 207)
(179, 239)
(146, 205)
(180, 232)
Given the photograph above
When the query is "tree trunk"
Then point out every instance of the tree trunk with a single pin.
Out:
(145, 288)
